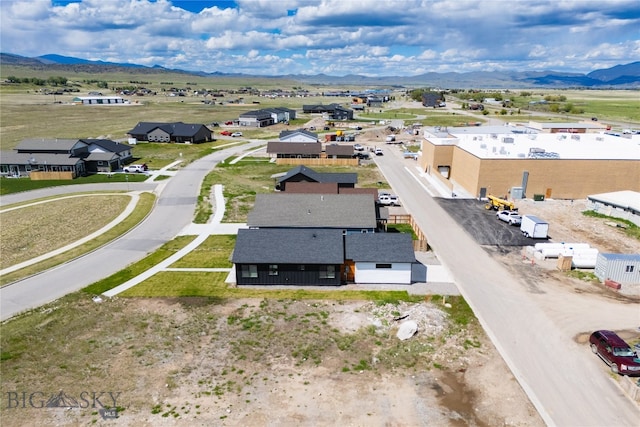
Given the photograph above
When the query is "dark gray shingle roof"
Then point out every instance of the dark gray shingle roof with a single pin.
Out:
(288, 246)
(277, 147)
(343, 211)
(175, 129)
(42, 144)
(35, 159)
(342, 178)
(379, 247)
(107, 144)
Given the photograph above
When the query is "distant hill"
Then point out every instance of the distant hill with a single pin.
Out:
(624, 76)
(624, 72)
(59, 59)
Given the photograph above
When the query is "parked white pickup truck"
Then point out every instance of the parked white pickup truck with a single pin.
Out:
(510, 217)
(389, 200)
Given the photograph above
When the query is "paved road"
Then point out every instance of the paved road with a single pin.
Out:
(565, 382)
(174, 211)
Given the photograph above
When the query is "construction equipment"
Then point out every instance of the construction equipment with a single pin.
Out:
(498, 204)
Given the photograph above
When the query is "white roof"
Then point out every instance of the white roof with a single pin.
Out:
(510, 142)
(82, 98)
(629, 200)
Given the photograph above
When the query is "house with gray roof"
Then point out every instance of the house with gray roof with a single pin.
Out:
(352, 213)
(294, 256)
(106, 155)
(305, 174)
(256, 118)
(288, 150)
(281, 114)
(336, 151)
(77, 156)
(178, 132)
(379, 258)
(333, 111)
(45, 155)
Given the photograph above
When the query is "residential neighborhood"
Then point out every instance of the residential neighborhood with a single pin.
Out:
(398, 213)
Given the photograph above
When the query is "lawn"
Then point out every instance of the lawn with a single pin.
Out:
(52, 224)
(144, 206)
(212, 253)
(212, 284)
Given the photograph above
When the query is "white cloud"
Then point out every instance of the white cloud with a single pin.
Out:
(371, 37)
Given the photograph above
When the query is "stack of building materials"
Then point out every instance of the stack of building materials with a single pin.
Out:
(585, 258)
(582, 254)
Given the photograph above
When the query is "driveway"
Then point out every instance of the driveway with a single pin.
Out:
(174, 211)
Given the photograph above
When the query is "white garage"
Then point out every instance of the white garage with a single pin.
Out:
(384, 258)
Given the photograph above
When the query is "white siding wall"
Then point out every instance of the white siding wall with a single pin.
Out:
(399, 273)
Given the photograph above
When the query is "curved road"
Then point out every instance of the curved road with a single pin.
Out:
(174, 210)
(567, 384)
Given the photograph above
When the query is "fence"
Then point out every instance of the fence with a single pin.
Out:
(39, 175)
(317, 162)
(420, 244)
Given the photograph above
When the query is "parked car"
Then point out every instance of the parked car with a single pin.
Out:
(615, 352)
(358, 147)
(135, 168)
(225, 133)
(361, 155)
(389, 200)
(379, 151)
(510, 217)
(236, 134)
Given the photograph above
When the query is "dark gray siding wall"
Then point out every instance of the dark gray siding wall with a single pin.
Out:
(289, 274)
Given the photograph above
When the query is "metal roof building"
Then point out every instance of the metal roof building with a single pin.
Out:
(621, 268)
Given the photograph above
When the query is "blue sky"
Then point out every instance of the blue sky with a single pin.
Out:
(334, 37)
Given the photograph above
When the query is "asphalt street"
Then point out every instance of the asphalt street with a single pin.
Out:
(173, 211)
(563, 380)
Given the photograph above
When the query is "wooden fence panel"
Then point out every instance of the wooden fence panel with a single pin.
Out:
(39, 175)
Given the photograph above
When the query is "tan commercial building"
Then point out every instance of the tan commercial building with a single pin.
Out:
(520, 161)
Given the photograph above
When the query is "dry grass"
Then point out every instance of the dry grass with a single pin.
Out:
(34, 230)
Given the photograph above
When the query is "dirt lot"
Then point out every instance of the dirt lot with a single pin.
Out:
(568, 224)
(253, 362)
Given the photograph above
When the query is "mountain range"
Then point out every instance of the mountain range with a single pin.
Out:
(623, 76)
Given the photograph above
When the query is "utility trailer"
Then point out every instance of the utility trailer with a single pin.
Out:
(534, 227)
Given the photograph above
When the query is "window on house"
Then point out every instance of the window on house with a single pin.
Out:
(328, 272)
(301, 267)
(628, 269)
(249, 270)
(273, 269)
(383, 265)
